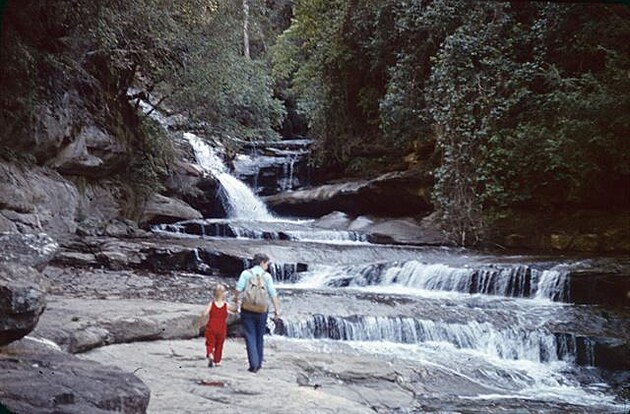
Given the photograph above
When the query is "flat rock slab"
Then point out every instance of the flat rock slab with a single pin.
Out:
(77, 325)
(291, 381)
(39, 378)
(326, 377)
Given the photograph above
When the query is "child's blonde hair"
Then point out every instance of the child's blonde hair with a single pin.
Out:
(219, 287)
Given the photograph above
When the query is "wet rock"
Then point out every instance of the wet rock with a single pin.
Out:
(612, 354)
(336, 220)
(37, 378)
(410, 190)
(274, 167)
(22, 301)
(600, 286)
(388, 231)
(160, 256)
(161, 209)
(199, 191)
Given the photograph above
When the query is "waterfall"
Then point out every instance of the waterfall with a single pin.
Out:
(288, 168)
(512, 343)
(241, 201)
(554, 285)
(502, 280)
(271, 230)
(274, 167)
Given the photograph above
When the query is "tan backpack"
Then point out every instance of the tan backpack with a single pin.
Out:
(255, 296)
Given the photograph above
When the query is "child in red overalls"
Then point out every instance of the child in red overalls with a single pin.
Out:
(216, 330)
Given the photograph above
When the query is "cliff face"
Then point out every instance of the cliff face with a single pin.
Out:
(73, 151)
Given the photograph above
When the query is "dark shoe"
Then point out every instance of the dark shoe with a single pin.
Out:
(254, 370)
(210, 364)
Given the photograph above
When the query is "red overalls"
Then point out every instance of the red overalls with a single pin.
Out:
(216, 330)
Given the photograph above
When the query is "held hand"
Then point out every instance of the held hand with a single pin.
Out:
(276, 314)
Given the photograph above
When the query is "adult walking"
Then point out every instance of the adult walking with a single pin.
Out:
(257, 287)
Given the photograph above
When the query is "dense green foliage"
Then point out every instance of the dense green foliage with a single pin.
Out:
(75, 61)
(190, 54)
(528, 104)
(509, 105)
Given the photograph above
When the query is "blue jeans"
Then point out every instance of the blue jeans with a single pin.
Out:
(254, 325)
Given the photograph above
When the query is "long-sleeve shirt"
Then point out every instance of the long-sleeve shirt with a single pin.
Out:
(256, 271)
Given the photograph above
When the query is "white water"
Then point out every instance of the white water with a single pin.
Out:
(242, 203)
(519, 361)
(512, 343)
(513, 280)
(503, 379)
(287, 181)
(274, 229)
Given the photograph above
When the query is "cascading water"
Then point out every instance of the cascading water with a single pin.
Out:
(505, 280)
(270, 230)
(510, 343)
(287, 181)
(241, 201)
(275, 166)
(443, 306)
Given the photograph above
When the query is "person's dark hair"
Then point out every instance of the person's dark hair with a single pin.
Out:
(260, 258)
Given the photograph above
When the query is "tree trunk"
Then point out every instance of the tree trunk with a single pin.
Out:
(246, 29)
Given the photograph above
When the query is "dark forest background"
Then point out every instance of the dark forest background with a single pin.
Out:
(509, 107)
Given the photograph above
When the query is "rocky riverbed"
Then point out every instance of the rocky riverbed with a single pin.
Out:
(130, 309)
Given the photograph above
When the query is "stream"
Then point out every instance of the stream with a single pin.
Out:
(501, 329)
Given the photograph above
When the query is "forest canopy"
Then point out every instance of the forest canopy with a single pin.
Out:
(506, 105)
(527, 104)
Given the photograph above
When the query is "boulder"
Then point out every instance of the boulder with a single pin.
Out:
(39, 378)
(336, 220)
(393, 194)
(34, 250)
(22, 288)
(407, 231)
(199, 191)
(161, 209)
(22, 301)
(388, 231)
